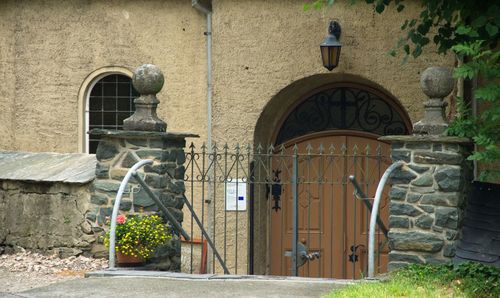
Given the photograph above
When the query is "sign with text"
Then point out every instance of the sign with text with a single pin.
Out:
(236, 196)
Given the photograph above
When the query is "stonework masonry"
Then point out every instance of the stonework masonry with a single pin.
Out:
(117, 152)
(427, 198)
(46, 216)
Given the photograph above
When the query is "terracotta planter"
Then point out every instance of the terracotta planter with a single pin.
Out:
(123, 260)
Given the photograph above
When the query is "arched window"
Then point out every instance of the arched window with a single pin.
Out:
(110, 101)
(344, 106)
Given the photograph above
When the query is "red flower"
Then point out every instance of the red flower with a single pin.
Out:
(121, 219)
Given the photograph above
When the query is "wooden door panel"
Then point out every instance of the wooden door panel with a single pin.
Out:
(330, 219)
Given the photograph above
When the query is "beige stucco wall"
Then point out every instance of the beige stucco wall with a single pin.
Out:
(50, 47)
(261, 47)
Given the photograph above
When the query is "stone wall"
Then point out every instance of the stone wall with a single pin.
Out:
(116, 154)
(427, 198)
(45, 216)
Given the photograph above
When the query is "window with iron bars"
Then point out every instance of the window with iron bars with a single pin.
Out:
(111, 101)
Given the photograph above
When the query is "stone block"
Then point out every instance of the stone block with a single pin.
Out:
(168, 199)
(413, 197)
(447, 217)
(415, 241)
(180, 156)
(397, 193)
(397, 145)
(150, 154)
(424, 222)
(403, 209)
(419, 145)
(404, 155)
(449, 250)
(168, 156)
(125, 205)
(427, 208)
(437, 158)
(399, 222)
(424, 180)
(422, 190)
(161, 169)
(130, 159)
(103, 214)
(138, 142)
(142, 199)
(102, 170)
(156, 181)
(176, 187)
(106, 150)
(441, 199)
(99, 199)
(179, 173)
(437, 147)
(451, 235)
(157, 143)
(419, 169)
(448, 178)
(107, 186)
(401, 176)
(408, 258)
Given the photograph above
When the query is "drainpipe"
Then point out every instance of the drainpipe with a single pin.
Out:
(205, 7)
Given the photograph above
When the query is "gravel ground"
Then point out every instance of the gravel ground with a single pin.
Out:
(26, 270)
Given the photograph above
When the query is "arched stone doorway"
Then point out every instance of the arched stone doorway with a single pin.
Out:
(334, 127)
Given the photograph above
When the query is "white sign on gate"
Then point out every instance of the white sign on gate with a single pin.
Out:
(236, 196)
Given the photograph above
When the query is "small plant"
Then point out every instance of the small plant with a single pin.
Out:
(139, 235)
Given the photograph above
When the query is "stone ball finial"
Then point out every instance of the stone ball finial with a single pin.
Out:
(148, 79)
(437, 82)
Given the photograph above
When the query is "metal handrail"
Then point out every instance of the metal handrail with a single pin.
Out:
(359, 193)
(176, 225)
(116, 206)
(374, 215)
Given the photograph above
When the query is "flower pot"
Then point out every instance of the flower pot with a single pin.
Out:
(123, 260)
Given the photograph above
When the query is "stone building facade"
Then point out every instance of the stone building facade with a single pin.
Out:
(265, 60)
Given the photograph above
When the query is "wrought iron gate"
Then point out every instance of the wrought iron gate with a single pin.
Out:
(283, 211)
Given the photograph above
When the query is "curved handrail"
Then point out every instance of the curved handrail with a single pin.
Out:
(116, 206)
(374, 214)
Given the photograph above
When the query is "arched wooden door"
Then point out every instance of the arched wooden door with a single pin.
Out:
(331, 220)
(334, 132)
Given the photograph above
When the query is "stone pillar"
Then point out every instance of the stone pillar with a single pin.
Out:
(118, 151)
(428, 194)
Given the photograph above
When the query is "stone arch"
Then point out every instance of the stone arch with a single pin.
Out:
(83, 97)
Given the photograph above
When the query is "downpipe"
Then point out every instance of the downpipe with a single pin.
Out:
(374, 215)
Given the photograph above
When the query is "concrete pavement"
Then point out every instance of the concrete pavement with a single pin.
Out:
(123, 283)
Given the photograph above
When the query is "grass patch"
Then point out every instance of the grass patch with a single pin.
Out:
(463, 280)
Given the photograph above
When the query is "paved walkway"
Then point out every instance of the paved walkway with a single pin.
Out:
(162, 284)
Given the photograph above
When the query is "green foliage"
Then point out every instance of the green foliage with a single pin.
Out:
(483, 129)
(417, 280)
(471, 29)
(139, 235)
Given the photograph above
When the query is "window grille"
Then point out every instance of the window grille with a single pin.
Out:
(111, 101)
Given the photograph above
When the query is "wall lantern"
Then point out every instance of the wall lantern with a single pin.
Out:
(330, 47)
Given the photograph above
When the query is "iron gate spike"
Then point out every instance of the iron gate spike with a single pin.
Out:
(355, 149)
(309, 148)
(331, 149)
(259, 148)
(270, 149)
(321, 149)
(367, 149)
(282, 149)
